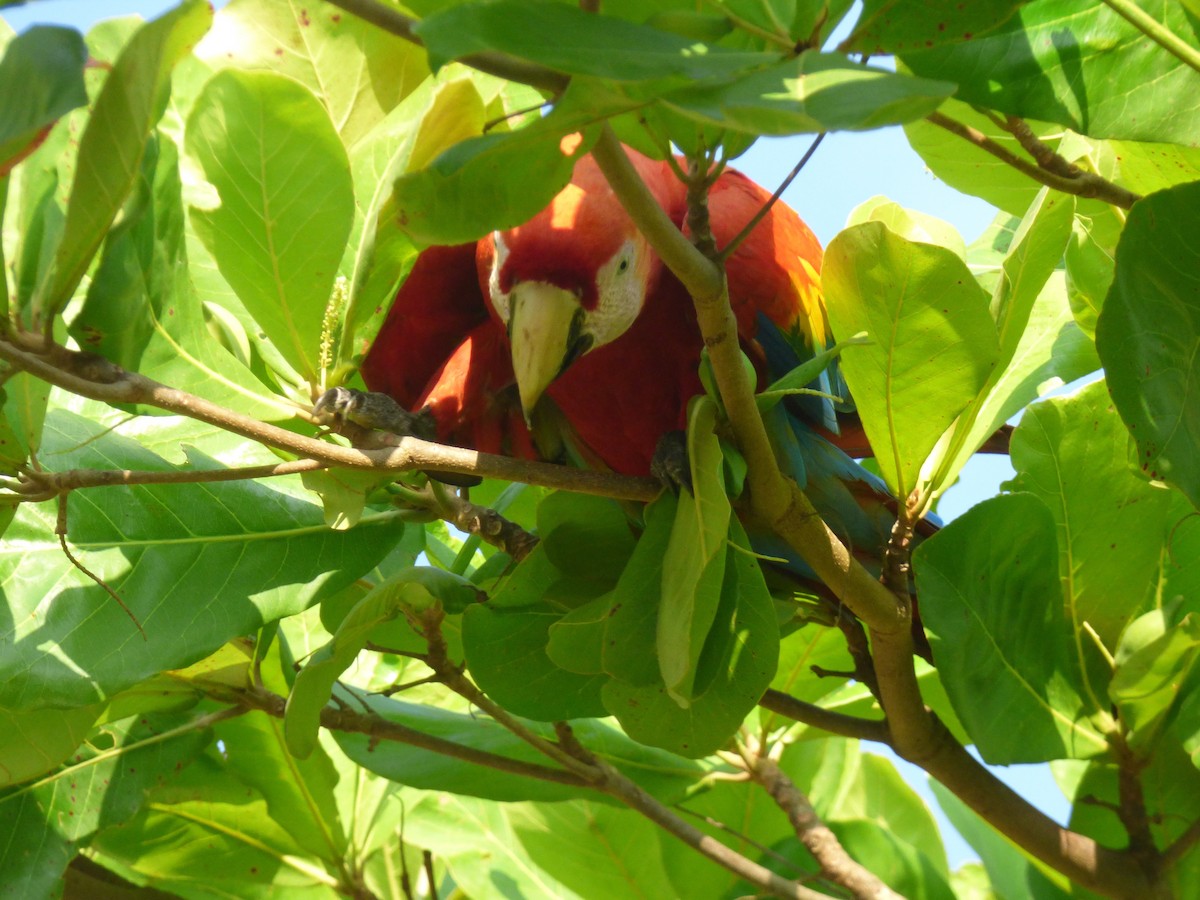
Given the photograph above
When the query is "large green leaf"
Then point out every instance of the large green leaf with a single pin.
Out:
(111, 147)
(284, 205)
(1112, 525)
(813, 92)
(892, 26)
(575, 42)
(1079, 64)
(694, 563)
(36, 741)
(736, 665)
(104, 785)
(1148, 336)
(41, 79)
(1153, 661)
(196, 564)
(1001, 641)
(357, 70)
(934, 342)
(665, 775)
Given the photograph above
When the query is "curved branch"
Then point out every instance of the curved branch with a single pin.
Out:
(1081, 183)
(88, 376)
(826, 720)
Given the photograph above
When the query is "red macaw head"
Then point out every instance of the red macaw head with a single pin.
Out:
(573, 278)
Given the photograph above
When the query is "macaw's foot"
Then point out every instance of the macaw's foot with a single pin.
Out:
(670, 463)
(372, 410)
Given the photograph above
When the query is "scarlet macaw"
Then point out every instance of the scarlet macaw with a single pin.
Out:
(575, 305)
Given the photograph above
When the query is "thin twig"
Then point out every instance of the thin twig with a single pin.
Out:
(1085, 184)
(826, 720)
(61, 530)
(81, 374)
(729, 248)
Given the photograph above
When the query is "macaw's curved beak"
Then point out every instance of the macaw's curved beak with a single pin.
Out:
(545, 331)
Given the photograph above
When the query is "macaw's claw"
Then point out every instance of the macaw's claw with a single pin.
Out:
(372, 410)
(670, 463)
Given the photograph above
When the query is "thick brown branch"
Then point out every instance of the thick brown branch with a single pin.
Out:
(71, 372)
(836, 864)
(1080, 183)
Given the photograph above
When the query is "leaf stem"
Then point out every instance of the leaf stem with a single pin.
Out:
(1156, 31)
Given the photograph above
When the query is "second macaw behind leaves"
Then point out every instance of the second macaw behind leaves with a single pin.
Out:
(576, 306)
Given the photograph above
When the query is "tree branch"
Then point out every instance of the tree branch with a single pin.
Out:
(836, 864)
(95, 378)
(826, 720)
(1081, 183)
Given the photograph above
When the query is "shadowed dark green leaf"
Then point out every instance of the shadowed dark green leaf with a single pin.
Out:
(893, 26)
(1079, 64)
(1153, 661)
(812, 93)
(575, 42)
(36, 741)
(1148, 336)
(994, 612)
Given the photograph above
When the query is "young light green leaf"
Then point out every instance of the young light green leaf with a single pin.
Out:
(934, 343)
(41, 80)
(994, 612)
(910, 224)
(1153, 661)
(694, 564)
(285, 202)
(111, 148)
(1112, 525)
(1148, 334)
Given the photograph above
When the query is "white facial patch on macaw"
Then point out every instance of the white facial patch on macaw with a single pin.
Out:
(499, 298)
(620, 292)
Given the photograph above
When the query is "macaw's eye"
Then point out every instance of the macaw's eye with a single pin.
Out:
(623, 266)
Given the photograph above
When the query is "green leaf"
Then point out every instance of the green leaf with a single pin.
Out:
(111, 148)
(741, 670)
(694, 563)
(798, 380)
(506, 653)
(812, 93)
(892, 26)
(1013, 874)
(23, 400)
(1078, 64)
(43, 824)
(1149, 332)
(278, 226)
(971, 169)
(207, 807)
(577, 640)
(491, 182)
(1090, 259)
(575, 42)
(663, 774)
(934, 342)
(1153, 659)
(999, 636)
(585, 536)
(629, 652)
(358, 71)
(37, 741)
(41, 80)
(197, 564)
(1112, 525)
(910, 224)
(410, 592)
